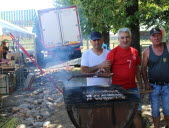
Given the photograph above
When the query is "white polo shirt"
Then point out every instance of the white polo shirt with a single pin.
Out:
(90, 59)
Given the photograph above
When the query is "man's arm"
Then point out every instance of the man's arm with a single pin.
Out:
(1, 51)
(86, 69)
(144, 68)
(167, 43)
(104, 65)
(138, 77)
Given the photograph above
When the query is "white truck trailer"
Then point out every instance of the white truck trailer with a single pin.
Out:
(58, 33)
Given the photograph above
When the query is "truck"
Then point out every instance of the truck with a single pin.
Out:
(58, 34)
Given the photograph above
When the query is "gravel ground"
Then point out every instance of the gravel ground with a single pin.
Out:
(59, 117)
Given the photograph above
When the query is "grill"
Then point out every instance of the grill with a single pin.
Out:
(100, 106)
(74, 96)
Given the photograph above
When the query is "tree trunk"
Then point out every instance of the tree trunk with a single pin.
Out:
(135, 37)
(134, 26)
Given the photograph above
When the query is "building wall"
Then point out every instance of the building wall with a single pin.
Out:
(22, 18)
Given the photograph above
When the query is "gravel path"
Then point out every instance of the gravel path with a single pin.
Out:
(44, 97)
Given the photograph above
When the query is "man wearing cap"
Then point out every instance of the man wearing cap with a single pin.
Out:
(155, 69)
(94, 60)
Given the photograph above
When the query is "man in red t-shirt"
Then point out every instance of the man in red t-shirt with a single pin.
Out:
(125, 62)
(125, 67)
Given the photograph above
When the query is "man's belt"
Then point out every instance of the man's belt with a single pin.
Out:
(159, 83)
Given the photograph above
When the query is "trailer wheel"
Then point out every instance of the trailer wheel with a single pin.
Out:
(41, 60)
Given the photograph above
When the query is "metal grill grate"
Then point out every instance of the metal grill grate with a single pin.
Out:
(74, 96)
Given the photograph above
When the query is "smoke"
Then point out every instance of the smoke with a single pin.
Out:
(64, 71)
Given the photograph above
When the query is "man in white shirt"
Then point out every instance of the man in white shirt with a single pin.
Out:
(94, 60)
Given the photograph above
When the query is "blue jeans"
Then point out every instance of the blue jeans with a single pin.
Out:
(159, 96)
(137, 95)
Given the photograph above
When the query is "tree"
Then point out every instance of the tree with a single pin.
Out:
(154, 13)
(133, 24)
(110, 15)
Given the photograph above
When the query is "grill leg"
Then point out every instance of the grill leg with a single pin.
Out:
(72, 118)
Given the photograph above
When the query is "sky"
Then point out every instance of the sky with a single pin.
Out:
(25, 4)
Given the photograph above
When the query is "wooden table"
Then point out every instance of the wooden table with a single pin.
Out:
(6, 69)
(9, 71)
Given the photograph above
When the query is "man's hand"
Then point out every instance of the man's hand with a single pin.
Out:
(101, 70)
(148, 86)
(105, 64)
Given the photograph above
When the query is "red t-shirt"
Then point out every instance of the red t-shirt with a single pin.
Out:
(124, 63)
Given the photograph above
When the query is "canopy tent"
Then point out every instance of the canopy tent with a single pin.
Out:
(6, 28)
(24, 37)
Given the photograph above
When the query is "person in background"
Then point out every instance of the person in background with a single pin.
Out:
(155, 69)
(5, 49)
(125, 68)
(94, 60)
(1, 50)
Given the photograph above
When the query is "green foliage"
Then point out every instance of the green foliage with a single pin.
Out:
(154, 13)
(110, 15)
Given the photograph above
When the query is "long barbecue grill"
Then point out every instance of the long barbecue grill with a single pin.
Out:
(100, 106)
